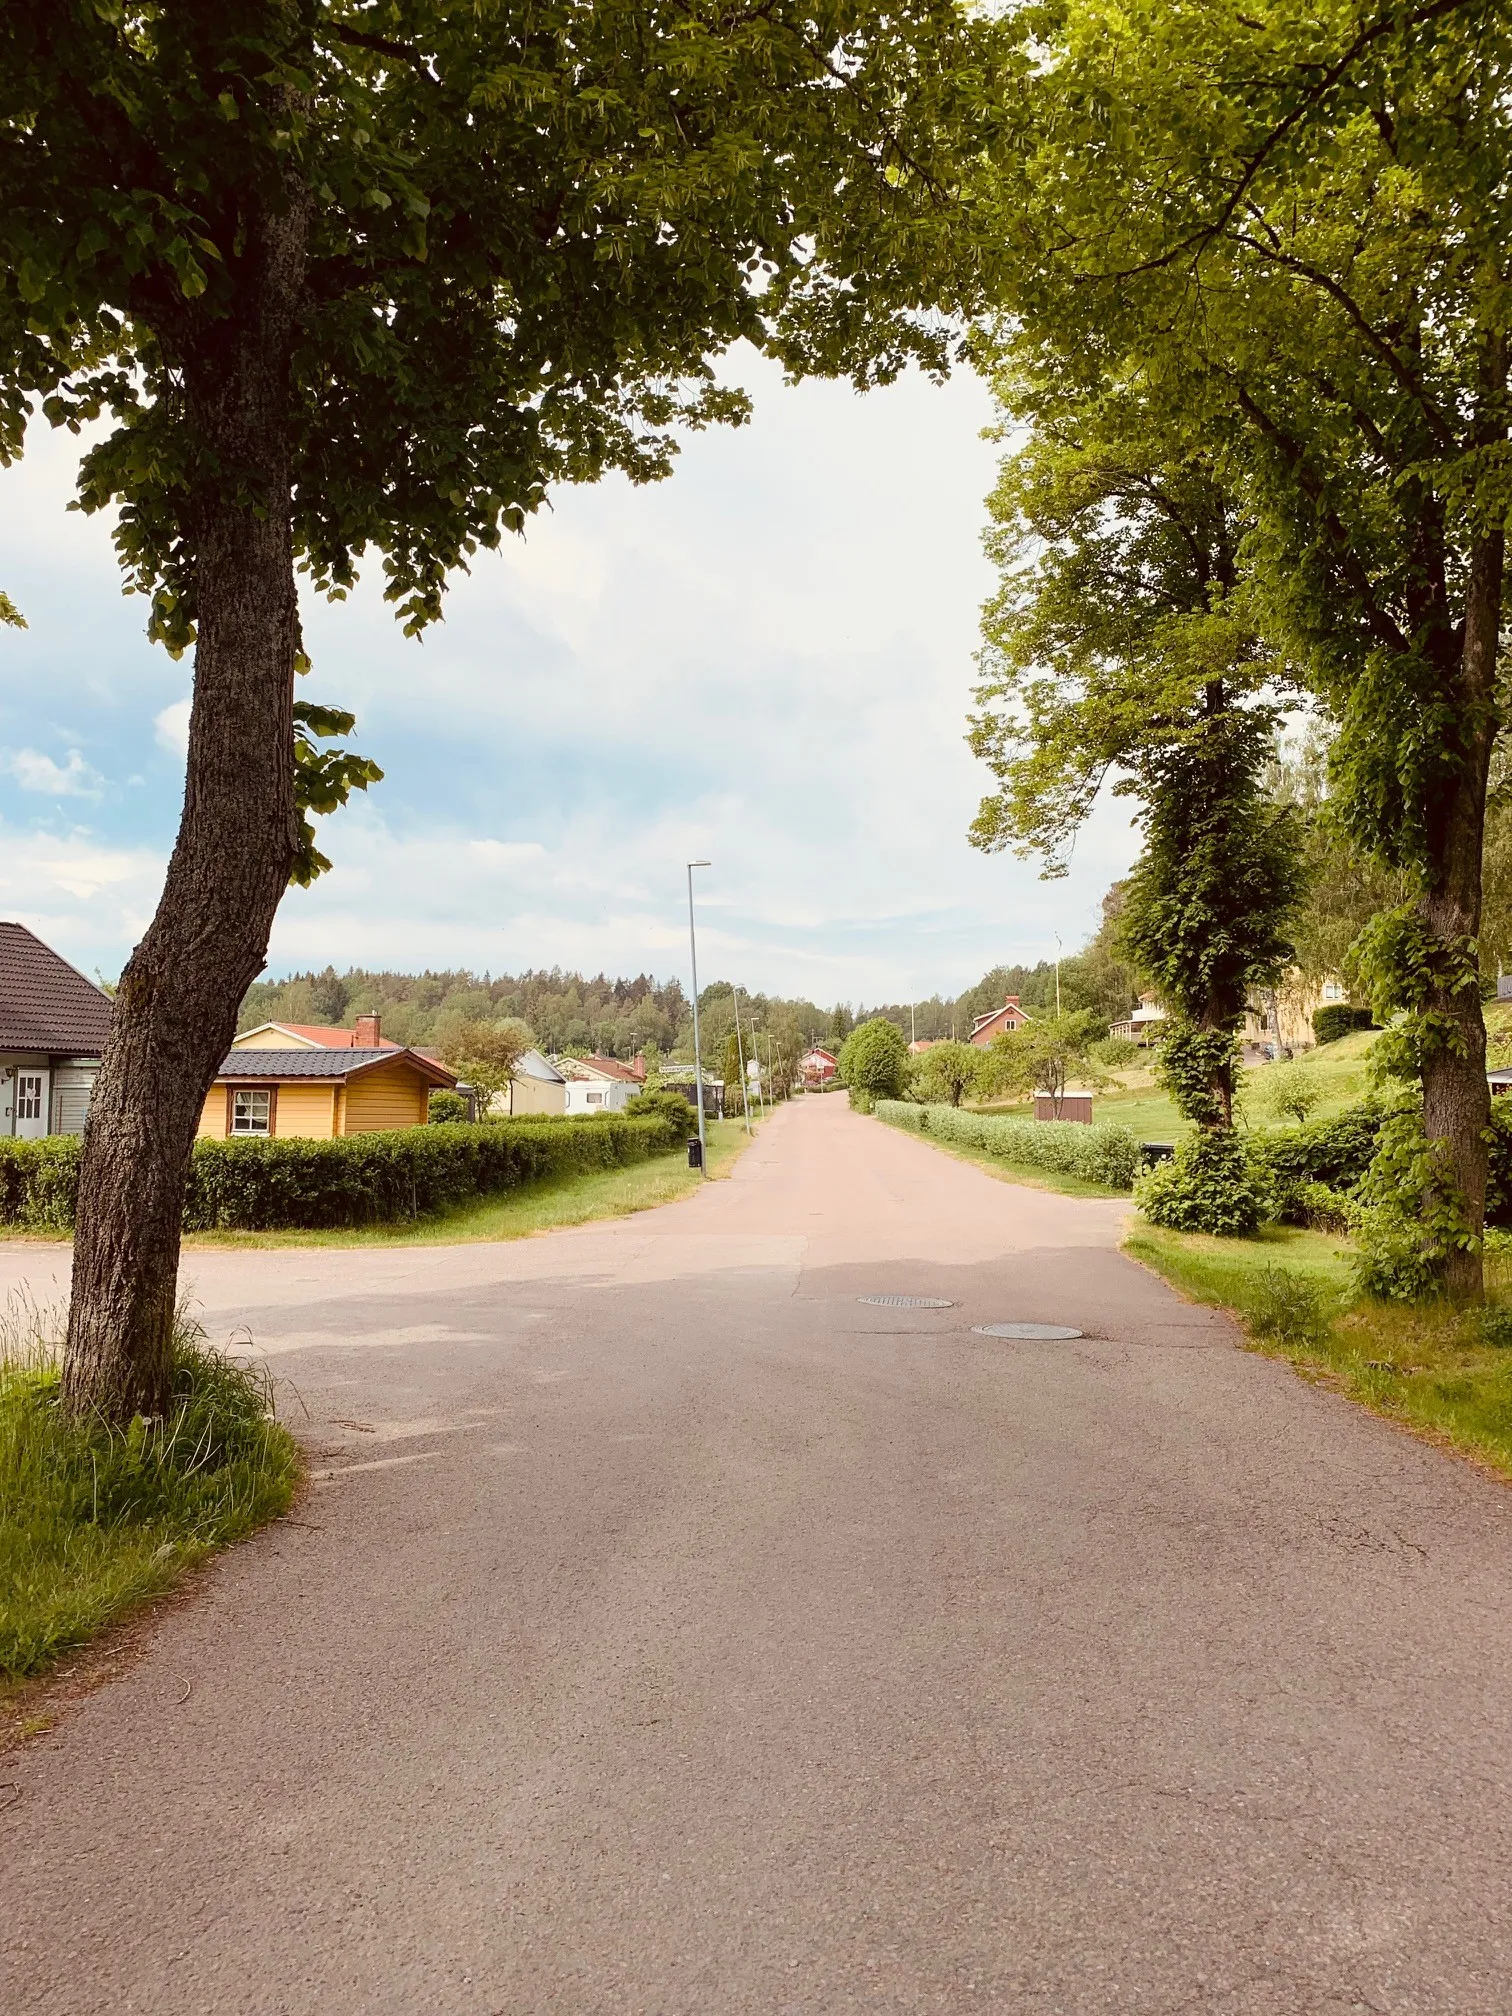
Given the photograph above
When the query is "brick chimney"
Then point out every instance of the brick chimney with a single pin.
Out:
(1009, 1001)
(368, 1035)
(638, 1065)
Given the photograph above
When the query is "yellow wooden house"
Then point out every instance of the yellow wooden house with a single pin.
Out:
(315, 1093)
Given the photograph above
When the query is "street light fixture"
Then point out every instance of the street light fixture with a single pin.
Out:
(703, 1151)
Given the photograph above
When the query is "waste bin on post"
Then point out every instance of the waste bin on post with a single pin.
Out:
(695, 1152)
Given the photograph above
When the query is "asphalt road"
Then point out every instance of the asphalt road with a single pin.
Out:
(670, 1631)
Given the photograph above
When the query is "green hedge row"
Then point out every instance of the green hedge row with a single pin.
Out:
(360, 1179)
(1102, 1153)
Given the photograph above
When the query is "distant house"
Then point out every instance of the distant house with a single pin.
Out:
(317, 1091)
(1143, 1026)
(53, 1025)
(997, 1021)
(920, 1044)
(598, 1084)
(367, 1035)
(817, 1066)
(536, 1087)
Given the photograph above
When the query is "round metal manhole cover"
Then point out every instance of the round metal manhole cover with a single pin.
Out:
(1049, 1332)
(905, 1302)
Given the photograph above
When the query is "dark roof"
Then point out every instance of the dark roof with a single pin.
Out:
(326, 1064)
(46, 1004)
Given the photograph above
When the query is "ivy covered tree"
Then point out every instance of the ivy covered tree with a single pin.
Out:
(1120, 655)
(1293, 238)
(377, 274)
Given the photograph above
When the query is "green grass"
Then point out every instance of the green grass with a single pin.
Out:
(1338, 1069)
(537, 1207)
(1433, 1367)
(95, 1520)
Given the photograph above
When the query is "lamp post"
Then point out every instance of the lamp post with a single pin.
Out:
(745, 1083)
(703, 1151)
(1057, 975)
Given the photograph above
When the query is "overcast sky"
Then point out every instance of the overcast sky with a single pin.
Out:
(766, 660)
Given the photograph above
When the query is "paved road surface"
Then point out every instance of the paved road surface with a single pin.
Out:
(673, 1633)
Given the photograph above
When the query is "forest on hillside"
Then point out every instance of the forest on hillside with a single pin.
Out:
(571, 1013)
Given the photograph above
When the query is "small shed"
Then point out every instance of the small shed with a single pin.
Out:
(1073, 1106)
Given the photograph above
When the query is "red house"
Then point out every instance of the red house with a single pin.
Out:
(1009, 1016)
(818, 1066)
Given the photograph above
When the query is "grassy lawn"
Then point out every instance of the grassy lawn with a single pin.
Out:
(538, 1207)
(1338, 1070)
(93, 1521)
(1434, 1368)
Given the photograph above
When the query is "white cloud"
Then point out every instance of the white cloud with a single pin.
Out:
(767, 660)
(35, 772)
(170, 728)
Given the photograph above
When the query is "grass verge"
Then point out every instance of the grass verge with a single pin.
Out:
(1442, 1371)
(94, 1520)
(536, 1207)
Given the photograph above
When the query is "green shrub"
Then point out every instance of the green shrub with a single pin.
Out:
(1114, 1052)
(1102, 1153)
(1339, 1019)
(874, 1059)
(1209, 1185)
(357, 1179)
(446, 1109)
(1334, 1152)
(670, 1107)
(1496, 1325)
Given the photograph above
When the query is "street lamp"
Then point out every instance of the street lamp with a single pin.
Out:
(745, 1083)
(703, 1152)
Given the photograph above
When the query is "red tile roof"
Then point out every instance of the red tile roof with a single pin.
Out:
(46, 1004)
(610, 1067)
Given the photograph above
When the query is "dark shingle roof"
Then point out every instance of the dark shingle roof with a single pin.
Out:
(46, 1004)
(323, 1063)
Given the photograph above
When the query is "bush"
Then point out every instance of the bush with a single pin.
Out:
(669, 1107)
(357, 1179)
(446, 1109)
(1114, 1052)
(1208, 1185)
(1102, 1153)
(1339, 1019)
(874, 1059)
(1334, 1152)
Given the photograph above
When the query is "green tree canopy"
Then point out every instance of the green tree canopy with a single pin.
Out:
(1287, 228)
(948, 1072)
(874, 1060)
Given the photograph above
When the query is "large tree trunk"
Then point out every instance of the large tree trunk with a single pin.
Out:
(1456, 1097)
(176, 1009)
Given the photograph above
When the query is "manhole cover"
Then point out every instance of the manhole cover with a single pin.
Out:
(1045, 1330)
(905, 1302)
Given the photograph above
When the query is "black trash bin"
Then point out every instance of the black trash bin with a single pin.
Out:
(695, 1152)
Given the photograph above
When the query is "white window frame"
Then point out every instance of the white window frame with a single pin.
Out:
(253, 1112)
(31, 1100)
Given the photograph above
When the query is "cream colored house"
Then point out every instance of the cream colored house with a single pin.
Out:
(1284, 1014)
(536, 1087)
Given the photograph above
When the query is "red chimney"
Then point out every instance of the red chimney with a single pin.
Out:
(1009, 1001)
(638, 1065)
(368, 1035)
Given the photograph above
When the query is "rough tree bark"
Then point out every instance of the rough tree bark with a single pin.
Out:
(1456, 1097)
(176, 1009)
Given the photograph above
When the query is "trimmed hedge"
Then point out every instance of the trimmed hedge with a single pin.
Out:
(1102, 1153)
(358, 1179)
(1338, 1019)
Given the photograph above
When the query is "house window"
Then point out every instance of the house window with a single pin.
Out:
(28, 1096)
(250, 1112)
(595, 1098)
(1332, 991)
